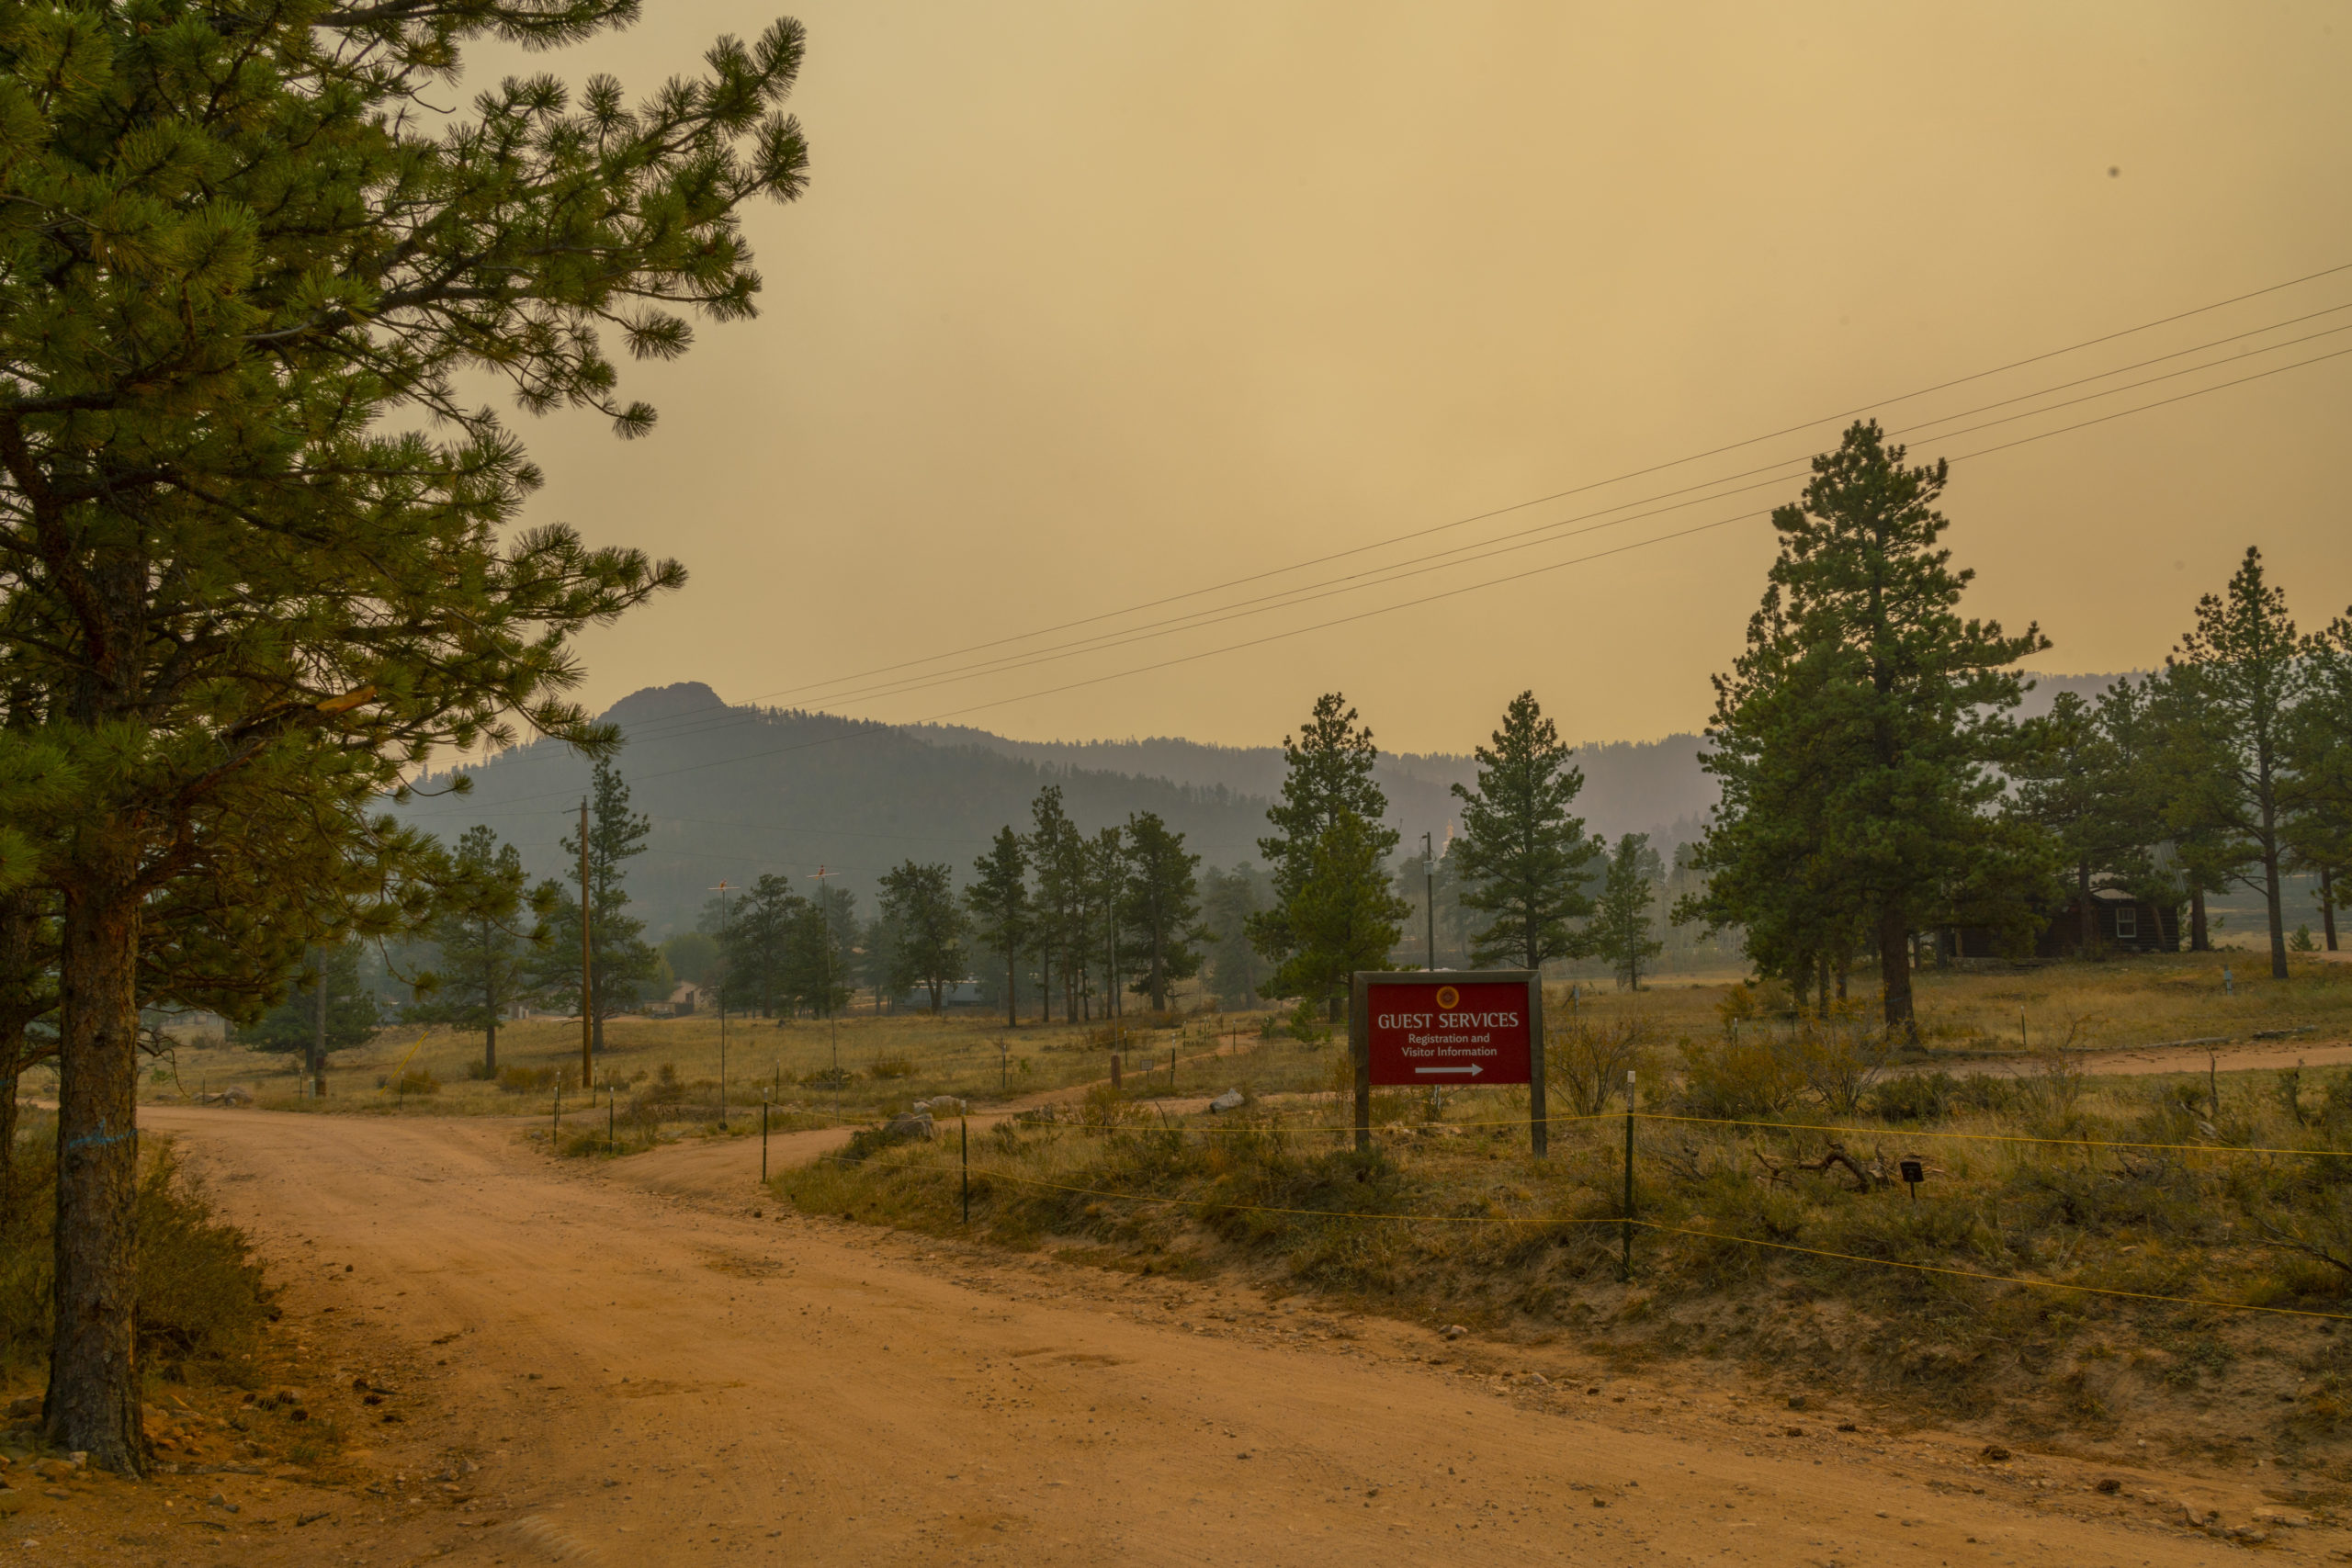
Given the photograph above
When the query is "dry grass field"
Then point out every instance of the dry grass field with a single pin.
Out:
(886, 1063)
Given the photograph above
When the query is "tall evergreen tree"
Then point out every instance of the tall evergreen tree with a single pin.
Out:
(620, 962)
(2242, 671)
(2173, 761)
(1524, 858)
(927, 929)
(292, 1026)
(1057, 922)
(1621, 930)
(1857, 736)
(2319, 747)
(999, 898)
(1344, 915)
(761, 924)
(243, 249)
(1228, 898)
(487, 934)
(1106, 881)
(1327, 780)
(822, 960)
(1160, 908)
(2076, 780)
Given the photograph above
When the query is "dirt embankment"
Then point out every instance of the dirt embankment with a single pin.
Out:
(633, 1361)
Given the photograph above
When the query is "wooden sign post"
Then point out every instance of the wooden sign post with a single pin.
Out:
(1467, 1026)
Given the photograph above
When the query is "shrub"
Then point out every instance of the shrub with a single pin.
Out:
(666, 1088)
(1586, 1061)
(202, 1297)
(523, 1080)
(1914, 1097)
(478, 1072)
(1738, 1080)
(899, 1065)
(417, 1081)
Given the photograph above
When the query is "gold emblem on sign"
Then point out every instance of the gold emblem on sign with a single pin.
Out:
(1447, 996)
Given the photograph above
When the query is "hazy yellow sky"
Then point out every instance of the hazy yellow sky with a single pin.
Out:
(1094, 303)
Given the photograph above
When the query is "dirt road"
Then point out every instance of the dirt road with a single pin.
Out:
(586, 1367)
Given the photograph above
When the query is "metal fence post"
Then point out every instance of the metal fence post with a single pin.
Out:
(964, 1143)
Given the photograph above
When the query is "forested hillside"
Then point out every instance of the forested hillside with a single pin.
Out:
(735, 792)
(738, 792)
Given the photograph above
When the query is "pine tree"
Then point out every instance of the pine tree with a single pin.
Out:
(486, 935)
(1344, 915)
(1328, 781)
(927, 929)
(2319, 750)
(1524, 859)
(2177, 784)
(1621, 930)
(998, 899)
(756, 944)
(2242, 673)
(822, 960)
(1160, 907)
(1106, 874)
(1056, 924)
(259, 531)
(1228, 898)
(2077, 780)
(292, 1027)
(1858, 738)
(620, 962)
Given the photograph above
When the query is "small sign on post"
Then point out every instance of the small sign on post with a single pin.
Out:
(1914, 1171)
(1471, 1026)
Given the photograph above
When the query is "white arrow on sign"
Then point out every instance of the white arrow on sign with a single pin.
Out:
(1473, 1070)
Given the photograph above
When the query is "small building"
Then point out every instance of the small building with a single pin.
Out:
(687, 999)
(2122, 923)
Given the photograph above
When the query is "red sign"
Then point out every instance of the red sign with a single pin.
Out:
(1426, 1031)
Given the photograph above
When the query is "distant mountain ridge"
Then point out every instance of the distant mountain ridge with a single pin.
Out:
(737, 791)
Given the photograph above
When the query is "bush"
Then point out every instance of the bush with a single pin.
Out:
(1740, 1079)
(416, 1080)
(1586, 1061)
(523, 1080)
(666, 1089)
(1914, 1097)
(901, 1065)
(202, 1297)
(478, 1072)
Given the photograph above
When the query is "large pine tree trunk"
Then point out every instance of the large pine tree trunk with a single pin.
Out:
(2277, 909)
(1894, 969)
(12, 1056)
(2327, 905)
(93, 1399)
(2197, 935)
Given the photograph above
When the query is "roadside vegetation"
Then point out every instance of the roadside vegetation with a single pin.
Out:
(203, 1302)
(1778, 1244)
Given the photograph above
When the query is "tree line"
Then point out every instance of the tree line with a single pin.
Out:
(1878, 784)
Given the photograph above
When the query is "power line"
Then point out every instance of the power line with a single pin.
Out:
(649, 731)
(1479, 551)
(1542, 534)
(869, 727)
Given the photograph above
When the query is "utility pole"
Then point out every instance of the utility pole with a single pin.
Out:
(1429, 895)
(587, 966)
(727, 914)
